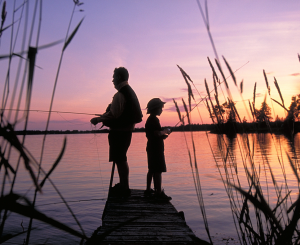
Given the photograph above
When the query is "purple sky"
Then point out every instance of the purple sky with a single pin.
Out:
(149, 38)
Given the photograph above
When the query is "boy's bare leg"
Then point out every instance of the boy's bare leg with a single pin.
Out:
(123, 170)
(157, 182)
(149, 179)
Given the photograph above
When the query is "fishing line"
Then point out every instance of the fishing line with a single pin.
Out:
(95, 140)
(70, 121)
(84, 200)
(68, 112)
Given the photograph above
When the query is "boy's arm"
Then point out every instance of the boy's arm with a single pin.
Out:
(164, 132)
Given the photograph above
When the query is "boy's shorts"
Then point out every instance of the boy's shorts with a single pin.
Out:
(156, 161)
(119, 142)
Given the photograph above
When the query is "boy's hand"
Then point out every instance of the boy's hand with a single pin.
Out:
(167, 131)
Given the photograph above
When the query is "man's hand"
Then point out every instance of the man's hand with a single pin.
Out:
(95, 120)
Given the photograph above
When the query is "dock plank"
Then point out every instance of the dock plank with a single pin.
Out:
(140, 220)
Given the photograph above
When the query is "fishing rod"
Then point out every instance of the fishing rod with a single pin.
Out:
(92, 114)
(66, 112)
(202, 99)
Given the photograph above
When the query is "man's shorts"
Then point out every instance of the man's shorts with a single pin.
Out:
(119, 142)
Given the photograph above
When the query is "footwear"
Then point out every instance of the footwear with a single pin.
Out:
(148, 193)
(126, 193)
(115, 190)
(162, 196)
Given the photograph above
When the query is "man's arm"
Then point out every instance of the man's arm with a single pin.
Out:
(115, 109)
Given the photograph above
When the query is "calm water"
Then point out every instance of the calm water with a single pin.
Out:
(83, 177)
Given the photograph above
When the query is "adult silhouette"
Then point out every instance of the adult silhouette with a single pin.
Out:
(121, 116)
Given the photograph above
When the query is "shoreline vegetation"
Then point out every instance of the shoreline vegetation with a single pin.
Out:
(229, 129)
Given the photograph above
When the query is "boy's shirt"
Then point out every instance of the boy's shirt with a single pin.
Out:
(152, 128)
(155, 140)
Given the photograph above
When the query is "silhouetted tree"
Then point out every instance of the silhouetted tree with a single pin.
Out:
(264, 113)
(218, 114)
(294, 109)
(229, 107)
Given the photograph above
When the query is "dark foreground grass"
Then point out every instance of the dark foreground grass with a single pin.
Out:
(10, 201)
(257, 219)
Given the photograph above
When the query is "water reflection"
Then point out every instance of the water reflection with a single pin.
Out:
(84, 175)
(267, 183)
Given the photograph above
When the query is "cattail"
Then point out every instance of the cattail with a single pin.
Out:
(213, 69)
(219, 67)
(254, 94)
(207, 89)
(210, 114)
(185, 74)
(279, 92)
(236, 112)
(3, 17)
(231, 73)
(241, 86)
(251, 109)
(190, 92)
(187, 112)
(267, 84)
(4, 13)
(215, 85)
(218, 104)
(178, 111)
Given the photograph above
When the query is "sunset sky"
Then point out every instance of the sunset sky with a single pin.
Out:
(150, 38)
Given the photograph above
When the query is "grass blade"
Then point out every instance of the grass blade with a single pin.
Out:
(213, 69)
(190, 92)
(220, 69)
(207, 89)
(231, 72)
(55, 163)
(278, 89)
(294, 168)
(72, 35)
(241, 86)
(215, 86)
(9, 202)
(267, 84)
(178, 111)
(280, 105)
(7, 237)
(9, 134)
(187, 112)
(31, 57)
(254, 95)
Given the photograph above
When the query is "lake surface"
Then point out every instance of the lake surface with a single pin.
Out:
(83, 176)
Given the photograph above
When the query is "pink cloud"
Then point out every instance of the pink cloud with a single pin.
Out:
(295, 74)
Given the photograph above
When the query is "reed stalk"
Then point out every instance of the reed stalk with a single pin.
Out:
(10, 201)
(257, 220)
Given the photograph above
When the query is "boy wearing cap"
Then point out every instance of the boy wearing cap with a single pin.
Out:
(155, 149)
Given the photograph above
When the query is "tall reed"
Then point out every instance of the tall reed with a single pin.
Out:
(10, 201)
(257, 219)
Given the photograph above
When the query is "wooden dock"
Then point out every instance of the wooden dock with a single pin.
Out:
(140, 220)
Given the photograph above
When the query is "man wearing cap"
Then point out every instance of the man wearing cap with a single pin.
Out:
(121, 116)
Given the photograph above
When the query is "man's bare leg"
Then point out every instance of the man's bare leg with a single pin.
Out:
(157, 182)
(149, 179)
(123, 170)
